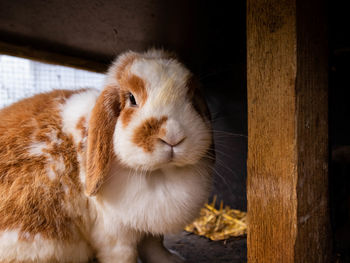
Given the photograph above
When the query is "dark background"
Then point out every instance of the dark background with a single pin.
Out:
(339, 125)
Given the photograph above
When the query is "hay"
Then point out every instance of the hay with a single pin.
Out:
(219, 224)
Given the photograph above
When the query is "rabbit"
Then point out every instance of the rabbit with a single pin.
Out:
(105, 174)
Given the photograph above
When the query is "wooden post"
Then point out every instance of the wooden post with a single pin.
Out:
(287, 132)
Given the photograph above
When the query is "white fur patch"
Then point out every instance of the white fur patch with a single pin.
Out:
(37, 148)
(41, 250)
(76, 107)
(156, 202)
(51, 174)
(166, 79)
(55, 167)
(54, 138)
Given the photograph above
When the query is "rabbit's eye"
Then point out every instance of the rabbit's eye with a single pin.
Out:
(132, 99)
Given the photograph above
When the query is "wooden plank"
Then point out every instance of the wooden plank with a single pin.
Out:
(30, 52)
(105, 28)
(287, 186)
(313, 243)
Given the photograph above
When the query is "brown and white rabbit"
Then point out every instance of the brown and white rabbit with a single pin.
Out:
(87, 174)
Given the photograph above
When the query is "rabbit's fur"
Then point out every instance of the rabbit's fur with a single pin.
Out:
(87, 174)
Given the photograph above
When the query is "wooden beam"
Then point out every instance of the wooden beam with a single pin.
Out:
(287, 184)
(48, 56)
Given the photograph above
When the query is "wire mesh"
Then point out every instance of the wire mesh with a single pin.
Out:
(21, 78)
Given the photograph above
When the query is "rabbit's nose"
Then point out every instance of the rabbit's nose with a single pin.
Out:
(174, 133)
(172, 141)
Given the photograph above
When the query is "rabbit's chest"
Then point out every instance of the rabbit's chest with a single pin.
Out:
(157, 202)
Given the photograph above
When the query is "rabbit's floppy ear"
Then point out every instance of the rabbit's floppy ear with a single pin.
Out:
(100, 139)
(102, 125)
(201, 106)
(197, 98)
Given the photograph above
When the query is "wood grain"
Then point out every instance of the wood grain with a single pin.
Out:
(287, 132)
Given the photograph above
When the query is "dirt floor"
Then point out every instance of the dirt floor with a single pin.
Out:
(196, 249)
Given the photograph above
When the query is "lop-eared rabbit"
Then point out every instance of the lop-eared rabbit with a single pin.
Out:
(105, 174)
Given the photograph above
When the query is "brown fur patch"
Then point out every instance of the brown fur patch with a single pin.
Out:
(136, 86)
(81, 126)
(30, 201)
(162, 133)
(100, 138)
(147, 133)
(125, 62)
(129, 83)
(126, 116)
